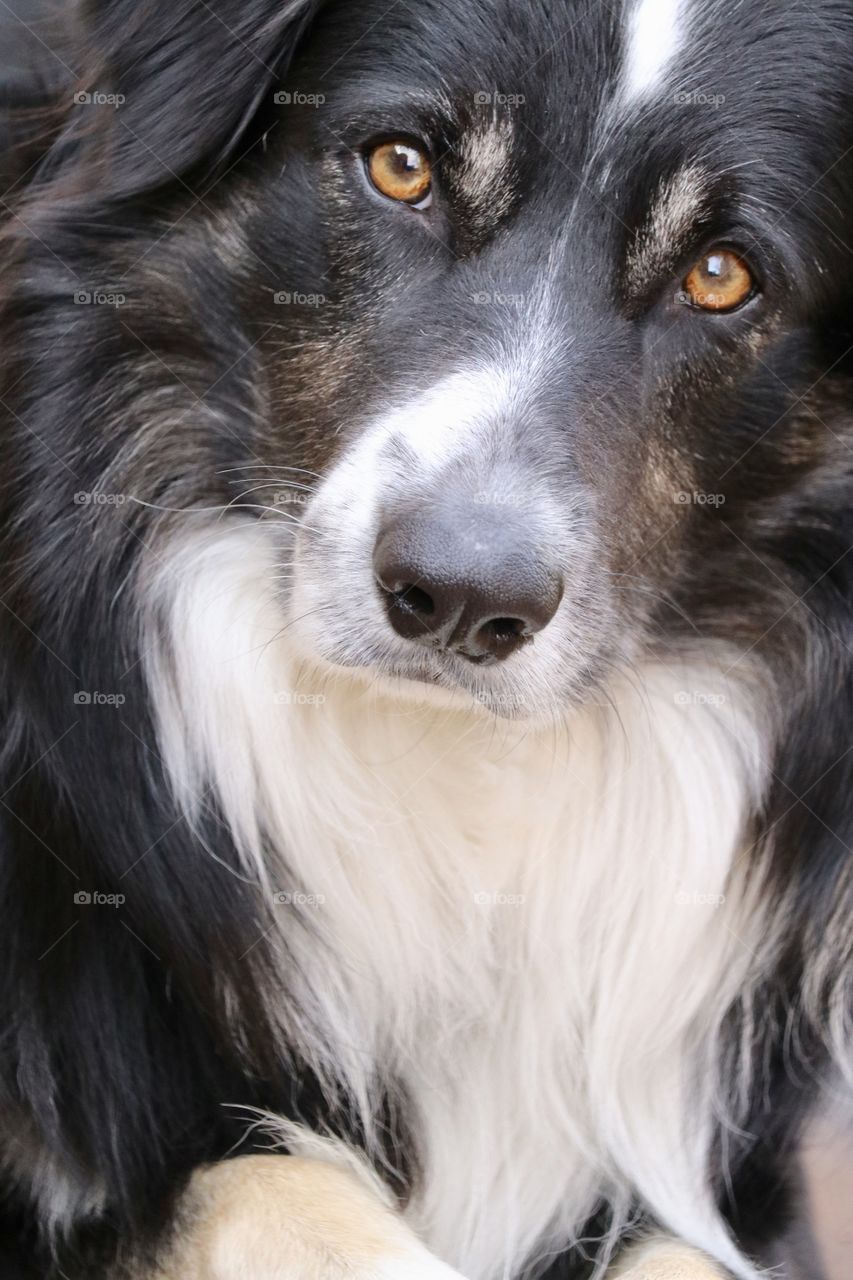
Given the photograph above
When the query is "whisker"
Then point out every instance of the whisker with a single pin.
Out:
(261, 649)
(272, 484)
(268, 484)
(633, 583)
(281, 517)
(270, 467)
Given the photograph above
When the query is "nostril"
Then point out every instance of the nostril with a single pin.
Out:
(496, 638)
(506, 629)
(412, 599)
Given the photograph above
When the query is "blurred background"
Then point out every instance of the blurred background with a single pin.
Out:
(29, 35)
(828, 1157)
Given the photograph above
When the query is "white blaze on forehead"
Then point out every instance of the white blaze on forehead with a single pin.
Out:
(434, 425)
(655, 31)
(463, 412)
(437, 424)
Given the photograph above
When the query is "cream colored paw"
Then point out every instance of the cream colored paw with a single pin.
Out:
(276, 1217)
(666, 1260)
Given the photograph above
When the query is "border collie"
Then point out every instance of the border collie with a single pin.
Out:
(427, 618)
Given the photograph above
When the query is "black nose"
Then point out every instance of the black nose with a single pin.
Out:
(467, 579)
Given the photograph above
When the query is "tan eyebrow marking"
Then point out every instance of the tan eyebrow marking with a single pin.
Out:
(677, 208)
(484, 175)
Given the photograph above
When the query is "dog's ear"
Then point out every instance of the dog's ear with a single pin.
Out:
(179, 83)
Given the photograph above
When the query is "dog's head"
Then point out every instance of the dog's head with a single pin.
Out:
(566, 272)
(541, 304)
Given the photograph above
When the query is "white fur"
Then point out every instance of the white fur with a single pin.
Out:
(655, 34)
(518, 923)
(434, 424)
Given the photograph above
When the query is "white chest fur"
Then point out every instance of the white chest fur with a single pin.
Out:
(538, 931)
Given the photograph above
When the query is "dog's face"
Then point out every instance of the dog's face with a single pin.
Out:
(547, 285)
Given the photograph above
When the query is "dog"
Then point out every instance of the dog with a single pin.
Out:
(426, 637)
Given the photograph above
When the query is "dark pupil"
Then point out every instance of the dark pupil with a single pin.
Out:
(406, 160)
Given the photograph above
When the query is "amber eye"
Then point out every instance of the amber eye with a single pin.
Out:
(401, 171)
(721, 281)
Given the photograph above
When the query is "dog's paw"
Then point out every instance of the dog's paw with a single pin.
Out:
(289, 1218)
(666, 1260)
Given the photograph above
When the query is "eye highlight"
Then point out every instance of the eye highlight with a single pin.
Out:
(720, 281)
(401, 171)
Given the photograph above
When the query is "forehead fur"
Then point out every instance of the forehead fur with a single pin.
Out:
(644, 80)
(655, 32)
(674, 216)
(483, 174)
